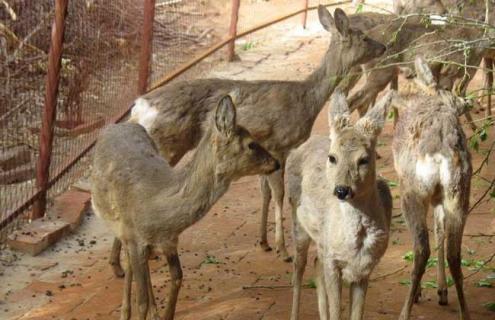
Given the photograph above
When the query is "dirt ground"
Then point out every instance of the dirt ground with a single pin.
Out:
(226, 275)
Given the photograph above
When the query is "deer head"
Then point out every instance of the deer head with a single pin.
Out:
(237, 154)
(358, 47)
(351, 157)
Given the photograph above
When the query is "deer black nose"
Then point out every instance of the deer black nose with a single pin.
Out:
(277, 165)
(342, 192)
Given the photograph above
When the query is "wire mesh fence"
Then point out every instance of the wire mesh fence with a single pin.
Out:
(98, 77)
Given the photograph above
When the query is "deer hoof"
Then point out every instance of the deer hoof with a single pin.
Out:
(118, 271)
(265, 247)
(417, 296)
(442, 297)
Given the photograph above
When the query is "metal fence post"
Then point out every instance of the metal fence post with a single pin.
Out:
(305, 13)
(50, 107)
(234, 18)
(146, 46)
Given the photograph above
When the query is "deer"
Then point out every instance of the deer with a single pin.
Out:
(339, 204)
(173, 115)
(434, 168)
(414, 39)
(148, 204)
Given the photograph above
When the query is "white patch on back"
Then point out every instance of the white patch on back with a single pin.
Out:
(143, 113)
(433, 169)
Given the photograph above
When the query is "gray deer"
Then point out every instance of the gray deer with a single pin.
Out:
(340, 205)
(434, 168)
(279, 114)
(148, 204)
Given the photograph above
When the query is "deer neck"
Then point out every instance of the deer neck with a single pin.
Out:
(202, 185)
(322, 82)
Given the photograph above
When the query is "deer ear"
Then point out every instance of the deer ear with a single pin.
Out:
(338, 112)
(423, 72)
(326, 19)
(341, 22)
(372, 123)
(225, 117)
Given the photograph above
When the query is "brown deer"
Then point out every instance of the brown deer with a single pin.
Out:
(434, 168)
(338, 204)
(148, 204)
(173, 114)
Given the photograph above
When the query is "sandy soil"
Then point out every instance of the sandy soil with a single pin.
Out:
(226, 275)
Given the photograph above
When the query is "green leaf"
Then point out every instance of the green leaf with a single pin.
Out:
(409, 256)
(359, 8)
(392, 184)
(490, 306)
(432, 284)
(210, 260)
(466, 263)
(311, 283)
(474, 143)
(483, 134)
(405, 282)
(432, 262)
(483, 283)
(450, 281)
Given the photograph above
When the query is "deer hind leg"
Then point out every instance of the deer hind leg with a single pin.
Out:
(152, 310)
(138, 256)
(439, 218)
(321, 290)
(414, 209)
(266, 195)
(488, 84)
(276, 181)
(302, 241)
(115, 258)
(358, 295)
(176, 283)
(455, 221)
(125, 313)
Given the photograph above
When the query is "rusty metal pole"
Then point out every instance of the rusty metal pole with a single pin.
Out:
(234, 18)
(305, 13)
(50, 107)
(146, 46)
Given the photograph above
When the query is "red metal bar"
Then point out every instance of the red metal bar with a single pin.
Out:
(234, 18)
(49, 110)
(305, 13)
(146, 46)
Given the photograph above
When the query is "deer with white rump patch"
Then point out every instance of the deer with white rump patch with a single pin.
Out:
(338, 203)
(279, 114)
(148, 204)
(434, 167)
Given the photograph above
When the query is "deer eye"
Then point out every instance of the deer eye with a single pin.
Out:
(252, 145)
(363, 161)
(332, 159)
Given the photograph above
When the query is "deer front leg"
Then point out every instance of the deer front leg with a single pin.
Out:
(276, 181)
(302, 241)
(176, 277)
(115, 258)
(266, 195)
(440, 241)
(321, 291)
(333, 285)
(358, 295)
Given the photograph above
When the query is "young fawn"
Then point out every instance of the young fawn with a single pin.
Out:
(173, 115)
(338, 203)
(434, 168)
(148, 204)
